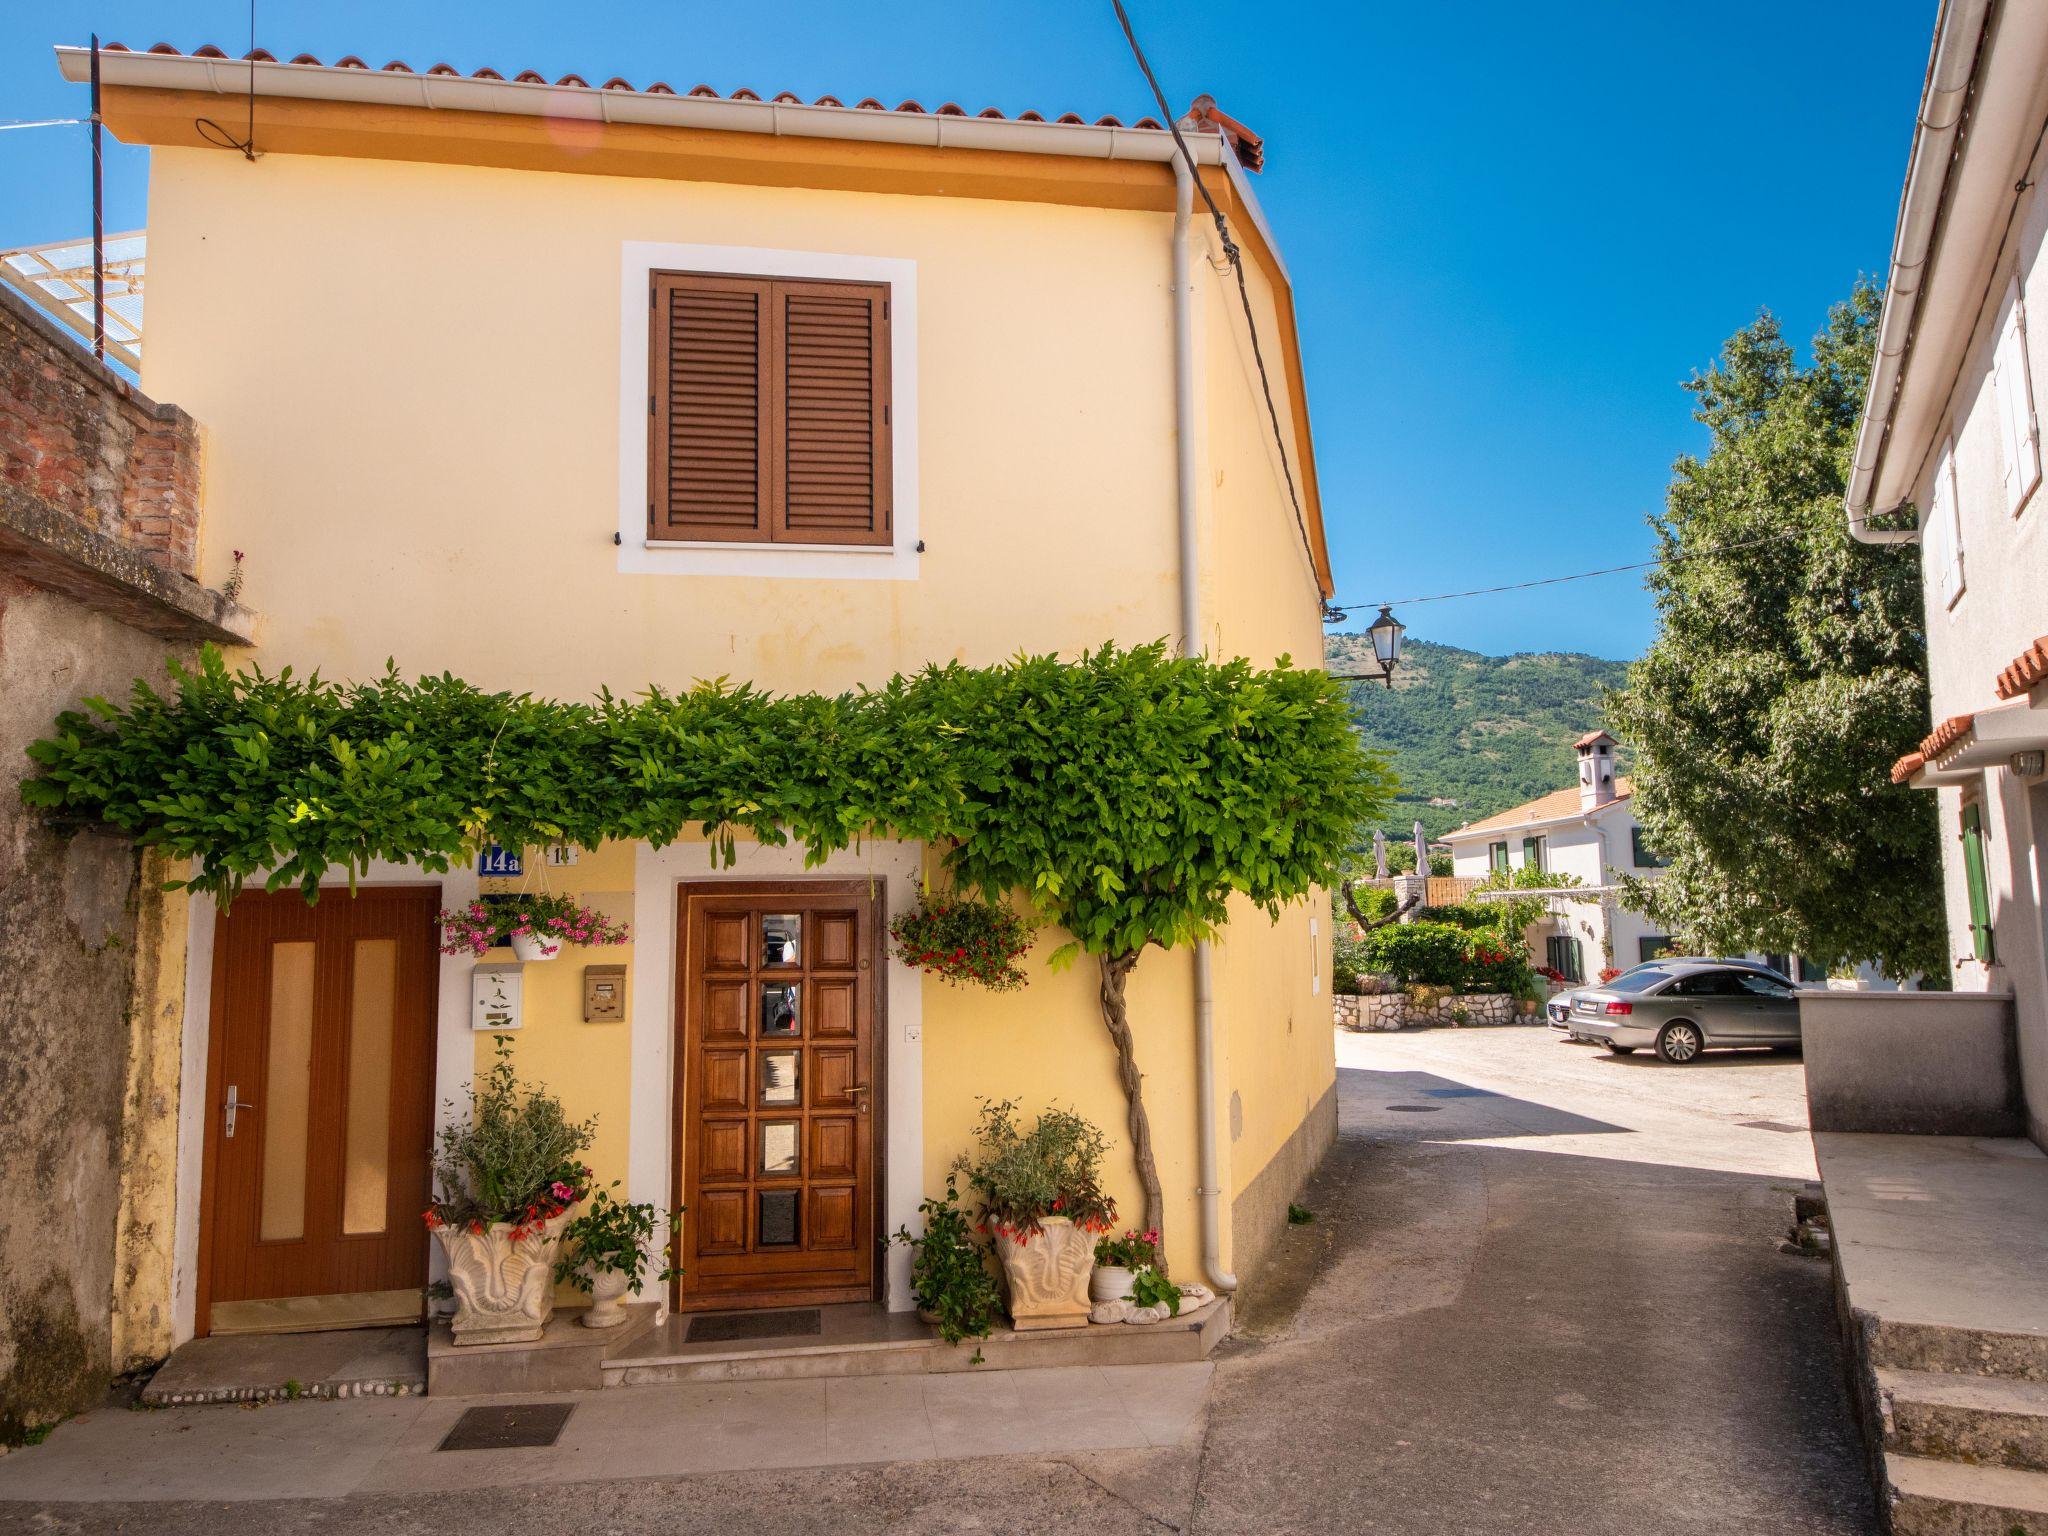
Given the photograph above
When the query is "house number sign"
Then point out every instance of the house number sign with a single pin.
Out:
(497, 863)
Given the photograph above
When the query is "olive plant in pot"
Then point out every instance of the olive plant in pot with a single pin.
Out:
(505, 1182)
(1043, 1204)
(949, 1276)
(604, 1254)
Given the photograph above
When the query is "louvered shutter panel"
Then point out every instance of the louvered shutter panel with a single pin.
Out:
(1943, 534)
(711, 399)
(834, 476)
(2014, 391)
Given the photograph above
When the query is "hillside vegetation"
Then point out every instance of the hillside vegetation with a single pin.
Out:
(1474, 734)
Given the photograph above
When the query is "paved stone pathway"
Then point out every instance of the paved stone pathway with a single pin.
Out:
(1541, 1295)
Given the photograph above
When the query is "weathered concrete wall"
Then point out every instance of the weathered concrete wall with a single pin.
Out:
(67, 972)
(1911, 1063)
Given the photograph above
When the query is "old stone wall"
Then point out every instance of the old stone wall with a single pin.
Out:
(78, 438)
(1423, 1007)
(89, 1064)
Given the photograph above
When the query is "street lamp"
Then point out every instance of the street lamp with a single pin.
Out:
(1386, 632)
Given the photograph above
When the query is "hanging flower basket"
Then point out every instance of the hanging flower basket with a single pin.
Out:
(968, 943)
(535, 923)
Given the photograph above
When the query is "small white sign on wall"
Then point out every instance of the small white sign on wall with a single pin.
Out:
(495, 997)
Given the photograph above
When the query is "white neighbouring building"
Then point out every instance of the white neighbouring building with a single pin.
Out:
(1949, 456)
(1589, 833)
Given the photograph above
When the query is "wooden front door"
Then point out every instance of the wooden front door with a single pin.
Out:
(320, 1110)
(778, 1077)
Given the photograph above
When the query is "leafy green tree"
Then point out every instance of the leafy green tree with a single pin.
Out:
(1788, 675)
(1130, 794)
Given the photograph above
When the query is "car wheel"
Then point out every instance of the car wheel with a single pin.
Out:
(1620, 1050)
(1679, 1042)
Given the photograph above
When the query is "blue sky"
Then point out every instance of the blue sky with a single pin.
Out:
(1513, 228)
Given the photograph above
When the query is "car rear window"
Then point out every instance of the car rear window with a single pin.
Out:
(1644, 978)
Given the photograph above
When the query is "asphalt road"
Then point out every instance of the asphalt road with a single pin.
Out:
(1541, 1294)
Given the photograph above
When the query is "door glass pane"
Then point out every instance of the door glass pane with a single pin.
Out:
(367, 1172)
(778, 1148)
(778, 1219)
(779, 1009)
(287, 1088)
(779, 1084)
(781, 933)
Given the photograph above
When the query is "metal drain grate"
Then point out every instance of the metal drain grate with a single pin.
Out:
(1415, 1109)
(518, 1426)
(729, 1327)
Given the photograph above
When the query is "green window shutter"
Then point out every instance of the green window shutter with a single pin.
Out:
(1980, 892)
(1497, 856)
(1532, 853)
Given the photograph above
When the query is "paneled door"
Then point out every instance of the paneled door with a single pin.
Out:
(321, 1101)
(777, 1084)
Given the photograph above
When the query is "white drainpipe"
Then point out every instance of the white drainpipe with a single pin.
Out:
(1934, 142)
(1191, 638)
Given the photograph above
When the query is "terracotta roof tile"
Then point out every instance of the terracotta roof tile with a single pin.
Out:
(1907, 766)
(1249, 147)
(2026, 672)
(1559, 802)
(1590, 737)
(1946, 735)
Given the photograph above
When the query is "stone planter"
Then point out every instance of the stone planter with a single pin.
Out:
(607, 1299)
(1849, 984)
(1110, 1282)
(504, 1288)
(1046, 1275)
(535, 946)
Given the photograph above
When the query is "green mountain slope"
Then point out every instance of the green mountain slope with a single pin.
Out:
(1473, 734)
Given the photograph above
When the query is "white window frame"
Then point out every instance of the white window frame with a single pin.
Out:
(2013, 391)
(638, 554)
(1944, 531)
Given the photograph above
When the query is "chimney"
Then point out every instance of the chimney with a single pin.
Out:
(1596, 770)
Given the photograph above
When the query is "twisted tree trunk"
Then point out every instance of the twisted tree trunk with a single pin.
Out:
(1365, 924)
(1115, 968)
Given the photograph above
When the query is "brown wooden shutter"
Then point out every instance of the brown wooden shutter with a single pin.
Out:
(711, 400)
(770, 411)
(834, 448)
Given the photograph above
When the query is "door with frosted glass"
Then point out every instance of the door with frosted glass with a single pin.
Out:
(320, 1110)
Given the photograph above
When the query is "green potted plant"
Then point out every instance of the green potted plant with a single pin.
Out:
(505, 1182)
(1116, 1261)
(963, 942)
(1043, 1205)
(605, 1254)
(949, 1274)
(537, 924)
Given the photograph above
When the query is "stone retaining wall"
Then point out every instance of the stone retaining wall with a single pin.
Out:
(1405, 1010)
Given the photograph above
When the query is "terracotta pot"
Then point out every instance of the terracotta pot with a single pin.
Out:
(1111, 1282)
(607, 1299)
(535, 946)
(1047, 1275)
(504, 1287)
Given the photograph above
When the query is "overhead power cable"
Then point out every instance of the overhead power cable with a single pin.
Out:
(1339, 611)
(1236, 259)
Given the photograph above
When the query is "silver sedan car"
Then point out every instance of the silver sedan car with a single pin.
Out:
(1682, 1007)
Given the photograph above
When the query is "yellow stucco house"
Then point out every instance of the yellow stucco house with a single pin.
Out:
(561, 386)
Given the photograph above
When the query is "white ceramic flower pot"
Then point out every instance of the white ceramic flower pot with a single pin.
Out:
(1111, 1282)
(504, 1284)
(534, 946)
(607, 1299)
(1047, 1275)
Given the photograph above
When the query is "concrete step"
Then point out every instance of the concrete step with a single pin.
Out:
(658, 1359)
(1982, 1420)
(1946, 1498)
(1955, 1351)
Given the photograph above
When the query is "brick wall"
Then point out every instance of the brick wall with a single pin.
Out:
(79, 439)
